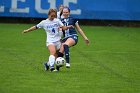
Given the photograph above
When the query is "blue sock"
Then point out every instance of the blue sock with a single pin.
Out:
(66, 50)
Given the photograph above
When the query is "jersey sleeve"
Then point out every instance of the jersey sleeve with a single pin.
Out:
(40, 25)
(58, 15)
(75, 21)
(60, 23)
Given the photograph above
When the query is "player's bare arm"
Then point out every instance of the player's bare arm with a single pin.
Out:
(82, 33)
(30, 29)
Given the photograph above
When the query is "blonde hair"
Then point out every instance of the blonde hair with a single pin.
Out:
(51, 10)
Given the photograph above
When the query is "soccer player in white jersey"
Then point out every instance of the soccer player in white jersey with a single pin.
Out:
(51, 25)
(60, 16)
(59, 13)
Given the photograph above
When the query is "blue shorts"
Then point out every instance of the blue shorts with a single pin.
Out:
(74, 37)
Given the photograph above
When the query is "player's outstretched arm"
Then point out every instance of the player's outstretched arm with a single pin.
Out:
(82, 33)
(30, 29)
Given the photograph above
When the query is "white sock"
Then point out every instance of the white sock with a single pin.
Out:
(51, 60)
(48, 63)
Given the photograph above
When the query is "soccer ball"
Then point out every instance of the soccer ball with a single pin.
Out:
(60, 61)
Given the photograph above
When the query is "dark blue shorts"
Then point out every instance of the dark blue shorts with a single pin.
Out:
(74, 37)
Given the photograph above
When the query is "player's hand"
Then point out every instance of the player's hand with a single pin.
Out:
(87, 41)
(24, 31)
(70, 26)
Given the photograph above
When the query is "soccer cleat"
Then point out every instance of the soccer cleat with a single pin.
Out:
(46, 66)
(58, 67)
(55, 70)
(67, 65)
(52, 69)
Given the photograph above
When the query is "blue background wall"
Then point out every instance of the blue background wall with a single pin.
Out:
(88, 9)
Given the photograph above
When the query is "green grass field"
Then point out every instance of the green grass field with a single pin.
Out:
(111, 64)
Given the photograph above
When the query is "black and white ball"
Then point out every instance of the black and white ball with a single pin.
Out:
(60, 61)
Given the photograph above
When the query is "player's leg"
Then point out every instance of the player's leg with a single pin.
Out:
(69, 42)
(52, 50)
(58, 54)
(61, 51)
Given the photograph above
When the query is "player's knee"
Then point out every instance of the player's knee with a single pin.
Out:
(52, 53)
(65, 46)
(70, 42)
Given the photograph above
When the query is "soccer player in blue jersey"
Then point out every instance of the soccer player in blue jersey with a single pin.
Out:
(70, 35)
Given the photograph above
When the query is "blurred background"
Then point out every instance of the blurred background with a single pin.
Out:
(89, 12)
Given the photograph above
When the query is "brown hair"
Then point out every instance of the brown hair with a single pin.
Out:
(52, 10)
(65, 7)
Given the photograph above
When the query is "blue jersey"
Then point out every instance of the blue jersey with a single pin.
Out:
(71, 31)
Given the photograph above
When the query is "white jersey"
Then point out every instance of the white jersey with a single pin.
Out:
(51, 28)
(58, 15)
